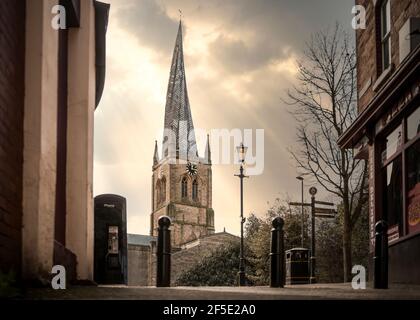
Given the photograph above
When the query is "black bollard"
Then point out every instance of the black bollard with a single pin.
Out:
(380, 259)
(163, 277)
(277, 270)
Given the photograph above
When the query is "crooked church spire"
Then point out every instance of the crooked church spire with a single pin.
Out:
(179, 138)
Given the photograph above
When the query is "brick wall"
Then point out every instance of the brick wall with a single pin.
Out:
(12, 55)
(368, 43)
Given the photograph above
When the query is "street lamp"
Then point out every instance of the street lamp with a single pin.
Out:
(242, 154)
(303, 218)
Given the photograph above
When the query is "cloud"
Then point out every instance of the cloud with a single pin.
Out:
(239, 59)
(239, 56)
(149, 22)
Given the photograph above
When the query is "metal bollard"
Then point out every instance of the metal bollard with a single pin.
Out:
(277, 270)
(163, 277)
(380, 259)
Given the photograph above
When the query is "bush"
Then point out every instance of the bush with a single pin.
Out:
(220, 268)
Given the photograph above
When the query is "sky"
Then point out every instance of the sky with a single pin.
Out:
(240, 60)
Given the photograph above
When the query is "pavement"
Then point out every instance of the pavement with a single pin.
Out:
(341, 291)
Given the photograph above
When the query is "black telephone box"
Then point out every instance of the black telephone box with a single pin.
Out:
(110, 255)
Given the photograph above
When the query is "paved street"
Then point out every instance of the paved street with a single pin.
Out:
(305, 292)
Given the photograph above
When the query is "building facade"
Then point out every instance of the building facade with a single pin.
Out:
(387, 130)
(46, 135)
(181, 180)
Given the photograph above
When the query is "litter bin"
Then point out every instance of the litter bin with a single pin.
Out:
(297, 266)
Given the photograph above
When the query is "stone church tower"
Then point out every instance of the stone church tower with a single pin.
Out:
(181, 180)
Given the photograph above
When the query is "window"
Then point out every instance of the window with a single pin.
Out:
(400, 177)
(184, 188)
(413, 187)
(392, 144)
(413, 124)
(392, 178)
(163, 190)
(113, 239)
(386, 34)
(195, 190)
(158, 191)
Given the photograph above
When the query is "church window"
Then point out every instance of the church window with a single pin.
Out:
(158, 192)
(163, 190)
(184, 187)
(195, 190)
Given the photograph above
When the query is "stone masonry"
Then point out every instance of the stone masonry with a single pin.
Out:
(191, 218)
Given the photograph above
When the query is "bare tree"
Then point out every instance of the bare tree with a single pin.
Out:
(325, 105)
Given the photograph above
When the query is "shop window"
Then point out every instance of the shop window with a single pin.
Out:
(413, 187)
(392, 144)
(413, 124)
(400, 163)
(392, 179)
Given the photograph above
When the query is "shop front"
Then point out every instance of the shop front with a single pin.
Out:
(386, 134)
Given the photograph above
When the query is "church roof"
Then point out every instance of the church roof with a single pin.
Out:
(178, 119)
(139, 239)
(197, 241)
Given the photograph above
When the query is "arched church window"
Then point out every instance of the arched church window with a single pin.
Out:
(158, 192)
(184, 187)
(195, 190)
(163, 190)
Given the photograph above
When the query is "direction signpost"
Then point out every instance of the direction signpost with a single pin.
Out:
(316, 212)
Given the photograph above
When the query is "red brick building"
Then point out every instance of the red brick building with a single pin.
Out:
(387, 130)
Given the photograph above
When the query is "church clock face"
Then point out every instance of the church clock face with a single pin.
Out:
(191, 169)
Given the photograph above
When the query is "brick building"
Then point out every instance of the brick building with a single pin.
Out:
(387, 129)
(46, 135)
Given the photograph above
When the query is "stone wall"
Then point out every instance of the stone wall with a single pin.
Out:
(138, 265)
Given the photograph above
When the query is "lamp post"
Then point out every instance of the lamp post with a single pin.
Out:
(303, 217)
(241, 153)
